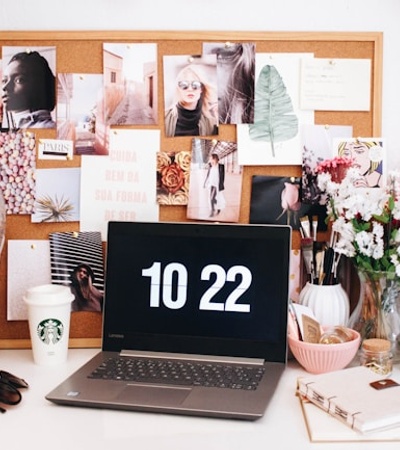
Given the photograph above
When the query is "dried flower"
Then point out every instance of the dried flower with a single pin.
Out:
(54, 209)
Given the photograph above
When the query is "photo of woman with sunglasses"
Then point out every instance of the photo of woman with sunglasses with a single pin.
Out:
(194, 104)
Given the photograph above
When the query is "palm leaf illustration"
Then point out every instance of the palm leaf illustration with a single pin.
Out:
(54, 210)
(274, 118)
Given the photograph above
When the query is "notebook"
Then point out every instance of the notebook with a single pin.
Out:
(364, 400)
(212, 296)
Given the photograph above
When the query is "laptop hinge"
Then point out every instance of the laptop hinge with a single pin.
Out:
(194, 357)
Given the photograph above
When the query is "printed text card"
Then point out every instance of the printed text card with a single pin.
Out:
(122, 185)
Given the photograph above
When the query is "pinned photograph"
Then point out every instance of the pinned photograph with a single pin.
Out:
(236, 77)
(368, 156)
(277, 200)
(215, 181)
(274, 137)
(77, 261)
(29, 87)
(173, 172)
(17, 174)
(57, 195)
(130, 83)
(190, 95)
(80, 112)
(316, 144)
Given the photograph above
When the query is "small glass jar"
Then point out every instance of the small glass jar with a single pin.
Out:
(376, 355)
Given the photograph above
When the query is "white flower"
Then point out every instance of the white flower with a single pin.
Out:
(345, 232)
(377, 229)
(323, 181)
(365, 221)
(364, 242)
(395, 261)
(396, 211)
(378, 249)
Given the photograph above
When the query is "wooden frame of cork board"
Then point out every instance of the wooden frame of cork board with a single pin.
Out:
(81, 52)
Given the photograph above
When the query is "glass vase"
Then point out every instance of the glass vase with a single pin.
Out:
(376, 314)
(329, 303)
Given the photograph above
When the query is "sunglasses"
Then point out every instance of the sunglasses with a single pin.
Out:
(184, 85)
(9, 385)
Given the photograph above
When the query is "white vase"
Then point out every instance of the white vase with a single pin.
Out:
(329, 303)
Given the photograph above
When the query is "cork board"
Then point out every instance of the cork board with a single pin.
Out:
(81, 52)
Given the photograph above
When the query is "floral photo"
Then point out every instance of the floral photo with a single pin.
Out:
(277, 200)
(316, 145)
(173, 171)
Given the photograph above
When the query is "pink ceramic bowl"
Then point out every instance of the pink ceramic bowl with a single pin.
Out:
(320, 358)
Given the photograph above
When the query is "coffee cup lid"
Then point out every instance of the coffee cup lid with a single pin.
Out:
(48, 294)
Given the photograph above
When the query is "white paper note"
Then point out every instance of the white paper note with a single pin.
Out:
(28, 266)
(122, 185)
(335, 84)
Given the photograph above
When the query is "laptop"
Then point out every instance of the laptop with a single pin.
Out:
(210, 296)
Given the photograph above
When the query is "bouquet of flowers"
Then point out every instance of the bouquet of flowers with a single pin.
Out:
(365, 222)
(365, 228)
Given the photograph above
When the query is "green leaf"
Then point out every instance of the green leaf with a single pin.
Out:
(391, 203)
(274, 118)
(383, 218)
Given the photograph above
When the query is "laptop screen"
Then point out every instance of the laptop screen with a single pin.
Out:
(214, 289)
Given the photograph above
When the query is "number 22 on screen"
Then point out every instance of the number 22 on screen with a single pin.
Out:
(176, 273)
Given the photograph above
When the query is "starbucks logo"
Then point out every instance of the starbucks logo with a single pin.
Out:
(50, 331)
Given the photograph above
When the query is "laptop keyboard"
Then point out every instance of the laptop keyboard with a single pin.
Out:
(187, 373)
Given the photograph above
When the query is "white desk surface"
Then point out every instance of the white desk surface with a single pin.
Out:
(36, 423)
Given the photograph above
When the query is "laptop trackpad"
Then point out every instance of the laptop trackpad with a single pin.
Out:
(153, 395)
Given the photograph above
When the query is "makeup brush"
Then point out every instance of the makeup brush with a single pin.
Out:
(305, 226)
(314, 224)
(307, 253)
(328, 265)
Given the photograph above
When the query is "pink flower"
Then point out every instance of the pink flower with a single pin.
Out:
(290, 197)
(336, 167)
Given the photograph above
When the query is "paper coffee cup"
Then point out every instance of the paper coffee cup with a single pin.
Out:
(49, 314)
